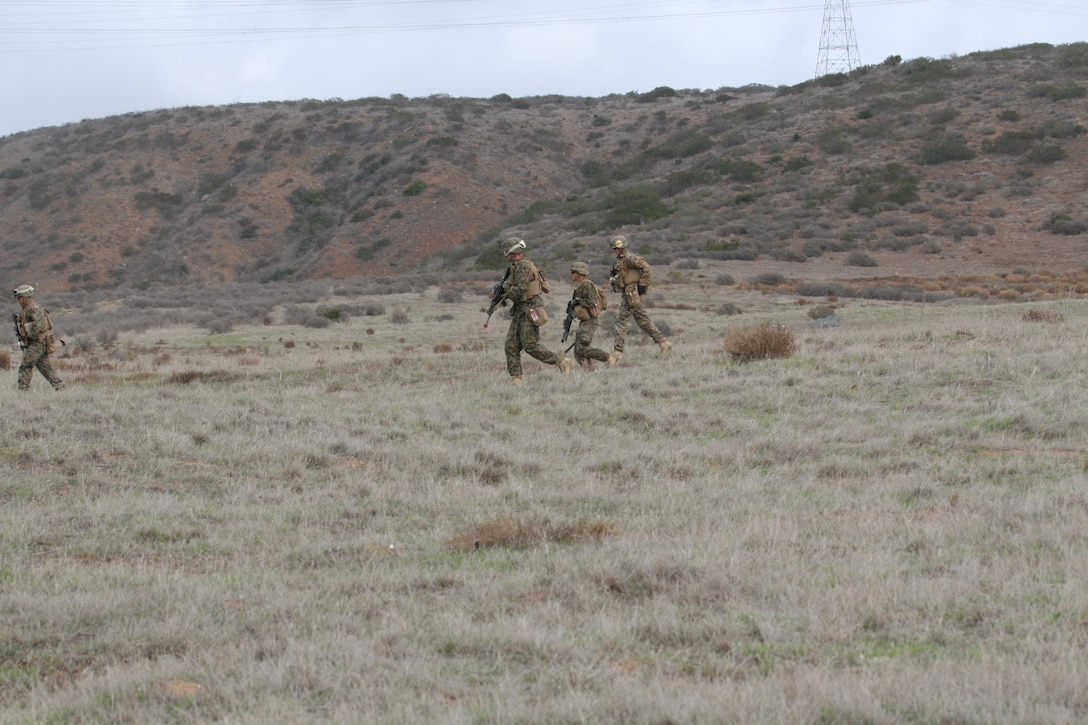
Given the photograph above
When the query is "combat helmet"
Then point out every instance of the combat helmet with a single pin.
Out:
(513, 245)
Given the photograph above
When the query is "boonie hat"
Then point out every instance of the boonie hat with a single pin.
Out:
(580, 268)
(23, 290)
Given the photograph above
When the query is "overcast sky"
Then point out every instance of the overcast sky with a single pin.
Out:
(67, 60)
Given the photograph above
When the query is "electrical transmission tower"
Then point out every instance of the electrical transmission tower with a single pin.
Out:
(838, 46)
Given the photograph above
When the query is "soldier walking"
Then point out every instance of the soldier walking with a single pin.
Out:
(631, 275)
(524, 286)
(587, 304)
(33, 326)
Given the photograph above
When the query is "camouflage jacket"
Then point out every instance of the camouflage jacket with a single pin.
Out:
(631, 269)
(585, 295)
(524, 284)
(35, 323)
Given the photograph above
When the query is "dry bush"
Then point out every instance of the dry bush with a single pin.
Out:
(1043, 316)
(185, 377)
(509, 532)
(760, 342)
(5, 360)
(442, 347)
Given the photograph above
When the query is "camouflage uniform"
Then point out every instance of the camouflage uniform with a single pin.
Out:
(631, 275)
(523, 289)
(35, 324)
(586, 297)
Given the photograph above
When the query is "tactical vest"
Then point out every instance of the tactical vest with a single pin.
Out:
(538, 285)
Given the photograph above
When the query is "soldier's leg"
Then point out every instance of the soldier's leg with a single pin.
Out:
(512, 348)
(45, 367)
(32, 353)
(583, 343)
(622, 318)
(647, 325)
(530, 341)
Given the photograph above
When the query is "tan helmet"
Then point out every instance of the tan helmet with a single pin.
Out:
(619, 242)
(513, 245)
(23, 290)
(581, 268)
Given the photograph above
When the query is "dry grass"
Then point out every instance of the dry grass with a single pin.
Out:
(763, 341)
(513, 533)
(1039, 314)
(886, 527)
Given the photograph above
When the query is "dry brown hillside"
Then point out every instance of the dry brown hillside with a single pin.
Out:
(950, 174)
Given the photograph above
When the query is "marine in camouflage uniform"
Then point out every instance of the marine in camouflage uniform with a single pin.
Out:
(523, 287)
(587, 306)
(631, 276)
(34, 323)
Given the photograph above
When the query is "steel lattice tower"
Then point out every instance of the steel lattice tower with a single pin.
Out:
(838, 46)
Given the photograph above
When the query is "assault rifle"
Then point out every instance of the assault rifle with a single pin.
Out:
(18, 332)
(569, 321)
(498, 297)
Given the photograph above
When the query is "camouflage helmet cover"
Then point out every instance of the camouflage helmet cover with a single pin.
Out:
(23, 290)
(619, 242)
(581, 268)
(513, 245)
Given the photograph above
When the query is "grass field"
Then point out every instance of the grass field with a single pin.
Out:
(367, 523)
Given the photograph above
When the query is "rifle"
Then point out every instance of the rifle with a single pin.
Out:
(498, 297)
(569, 321)
(18, 332)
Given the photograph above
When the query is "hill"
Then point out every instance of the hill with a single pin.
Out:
(955, 174)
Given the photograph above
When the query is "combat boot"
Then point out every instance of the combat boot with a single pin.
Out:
(614, 357)
(665, 345)
(516, 380)
(588, 365)
(566, 365)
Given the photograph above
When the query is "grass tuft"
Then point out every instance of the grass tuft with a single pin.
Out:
(509, 532)
(760, 342)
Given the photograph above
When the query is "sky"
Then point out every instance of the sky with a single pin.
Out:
(68, 60)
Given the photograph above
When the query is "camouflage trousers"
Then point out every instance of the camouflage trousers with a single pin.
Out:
(36, 355)
(524, 335)
(583, 342)
(638, 311)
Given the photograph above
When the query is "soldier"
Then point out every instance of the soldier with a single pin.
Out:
(33, 326)
(631, 275)
(524, 286)
(587, 305)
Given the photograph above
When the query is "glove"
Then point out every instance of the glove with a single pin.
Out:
(642, 289)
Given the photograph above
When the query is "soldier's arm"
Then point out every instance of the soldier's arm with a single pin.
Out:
(519, 282)
(33, 323)
(643, 273)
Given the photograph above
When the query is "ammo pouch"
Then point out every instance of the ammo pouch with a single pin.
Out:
(50, 343)
(538, 315)
(582, 313)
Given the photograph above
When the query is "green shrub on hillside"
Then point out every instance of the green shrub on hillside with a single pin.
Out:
(1058, 93)
(634, 205)
(941, 148)
(894, 183)
(1065, 225)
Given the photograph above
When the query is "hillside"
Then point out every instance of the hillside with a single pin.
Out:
(916, 171)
